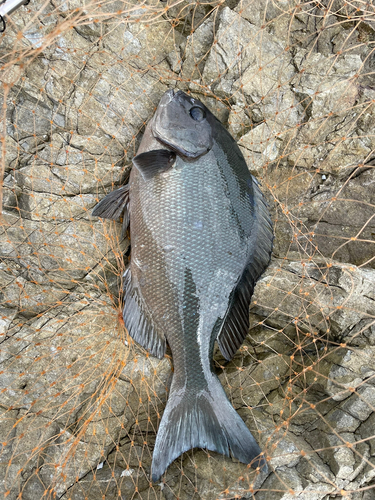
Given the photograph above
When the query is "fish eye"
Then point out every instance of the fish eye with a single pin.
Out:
(197, 114)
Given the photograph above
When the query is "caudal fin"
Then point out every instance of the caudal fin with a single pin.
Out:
(203, 419)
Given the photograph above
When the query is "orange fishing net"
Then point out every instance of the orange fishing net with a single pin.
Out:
(80, 402)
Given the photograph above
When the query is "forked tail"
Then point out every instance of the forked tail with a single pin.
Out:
(203, 419)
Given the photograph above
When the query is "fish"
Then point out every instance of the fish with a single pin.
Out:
(201, 236)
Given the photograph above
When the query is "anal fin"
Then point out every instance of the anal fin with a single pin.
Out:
(138, 320)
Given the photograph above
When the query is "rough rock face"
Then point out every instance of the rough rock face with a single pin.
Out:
(80, 402)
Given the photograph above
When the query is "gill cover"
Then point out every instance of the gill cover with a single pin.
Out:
(183, 124)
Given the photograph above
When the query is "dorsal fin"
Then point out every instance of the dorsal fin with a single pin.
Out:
(154, 162)
(236, 322)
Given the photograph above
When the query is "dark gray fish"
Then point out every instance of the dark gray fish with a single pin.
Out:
(201, 236)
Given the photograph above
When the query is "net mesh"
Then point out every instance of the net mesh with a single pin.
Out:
(80, 402)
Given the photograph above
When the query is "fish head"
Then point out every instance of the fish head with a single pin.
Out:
(183, 124)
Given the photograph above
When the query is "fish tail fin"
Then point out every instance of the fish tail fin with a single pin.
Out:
(203, 419)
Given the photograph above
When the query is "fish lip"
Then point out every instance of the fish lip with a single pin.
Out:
(178, 150)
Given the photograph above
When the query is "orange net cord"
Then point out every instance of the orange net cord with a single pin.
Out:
(80, 401)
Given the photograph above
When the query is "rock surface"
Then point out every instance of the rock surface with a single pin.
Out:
(80, 402)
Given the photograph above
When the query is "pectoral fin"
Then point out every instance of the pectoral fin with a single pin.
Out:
(154, 162)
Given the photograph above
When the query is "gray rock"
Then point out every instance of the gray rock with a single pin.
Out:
(229, 55)
(333, 91)
(74, 248)
(216, 476)
(263, 378)
(260, 147)
(286, 484)
(196, 50)
(80, 402)
(366, 431)
(33, 431)
(112, 481)
(239, 121)
(65, 389)
(335, 285)
(333, 222)
(361, 404)
(267, 16)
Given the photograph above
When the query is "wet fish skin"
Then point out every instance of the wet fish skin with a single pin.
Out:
(200, 238)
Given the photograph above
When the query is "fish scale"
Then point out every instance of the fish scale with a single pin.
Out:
(201, 236)
(214, 255)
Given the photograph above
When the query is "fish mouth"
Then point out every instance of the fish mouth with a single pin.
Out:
(177, 149)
